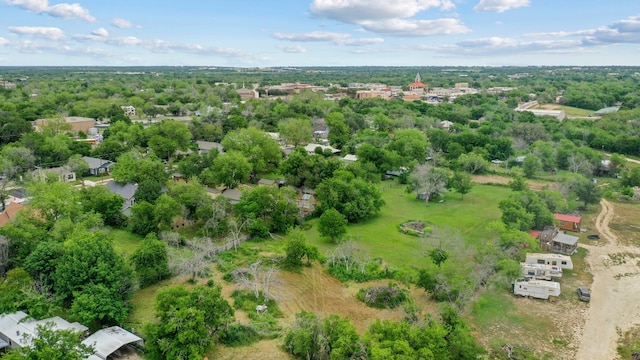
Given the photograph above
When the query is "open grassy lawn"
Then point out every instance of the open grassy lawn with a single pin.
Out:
(380, 237)
(125, 242)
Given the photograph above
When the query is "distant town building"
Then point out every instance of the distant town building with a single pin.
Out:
(129, 110)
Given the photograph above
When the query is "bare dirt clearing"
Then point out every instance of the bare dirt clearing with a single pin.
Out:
(615, 290)
(503, 180)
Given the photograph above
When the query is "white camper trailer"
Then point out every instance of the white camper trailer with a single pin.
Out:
(540, 271)
(562, 261)
(540, 289)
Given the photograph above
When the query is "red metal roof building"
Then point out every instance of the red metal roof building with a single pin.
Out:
(568, 222)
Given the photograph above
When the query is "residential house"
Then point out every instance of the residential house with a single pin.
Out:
(62, 173)
(127, 191)
(311, 148)
(129, 110)
(552, 240)
(267, 182)
(307, 202)
(10, 212)
(568, 222)
(206, 146)
(233, 195)
(98, 166)
(108, 341)
(14, 327)
(350, 158)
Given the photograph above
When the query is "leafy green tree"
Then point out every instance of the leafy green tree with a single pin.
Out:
(411, 144)
(167, 137)
(52, 344)
(473, 163)
(100, 200)
(296, 131)
(631, 178)
(142, 220)
(133, 167)
(276, 208)
(531, 165)
(42, 262)
(355, 198)
(461, 182)
(17, 292)
(339, 132)
(189, 320)
(150, 261)
(438, 256)
(332, 338)
(55, 201)
(259, 148)
(191, 196)
(92, 272)
(588, 191)
(518, 183)
(297, 249)
(229, 169)
(166, 208)
(148, 191)
(332, 224)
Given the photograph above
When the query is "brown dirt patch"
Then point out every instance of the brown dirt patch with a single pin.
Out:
(504, 180)
(316, 291)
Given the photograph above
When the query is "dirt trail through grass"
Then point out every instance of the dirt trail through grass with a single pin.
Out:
(615, 291)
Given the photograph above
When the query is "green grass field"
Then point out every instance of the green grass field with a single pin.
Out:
(380, 237)
(125, 242)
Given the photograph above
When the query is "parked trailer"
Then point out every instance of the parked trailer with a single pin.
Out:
(562, 261)
(540, 271)
(539, 289)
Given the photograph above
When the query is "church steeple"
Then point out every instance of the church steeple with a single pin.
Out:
(418, 78)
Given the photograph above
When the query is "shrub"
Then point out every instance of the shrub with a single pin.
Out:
(383, 297)
(239, 335)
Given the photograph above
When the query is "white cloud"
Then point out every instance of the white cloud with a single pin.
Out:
(622, 31)
(121, 23)
(500, 5)
(3, 41)
(51, 33)
(102, 32)
(504, 46)
(326, 36)
(312, 36)
(292, 49)
(62, 10)
(394, 18)
(355, 11)
(403, 27)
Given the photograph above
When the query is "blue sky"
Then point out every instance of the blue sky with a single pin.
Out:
(265, 33)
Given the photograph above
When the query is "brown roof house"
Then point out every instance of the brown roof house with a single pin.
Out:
(10, 212)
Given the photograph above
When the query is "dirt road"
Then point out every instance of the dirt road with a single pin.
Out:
(614, 293)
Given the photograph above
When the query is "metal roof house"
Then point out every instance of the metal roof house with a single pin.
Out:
(17, 329)
(553, 240)
(568, 222)
(110, 340)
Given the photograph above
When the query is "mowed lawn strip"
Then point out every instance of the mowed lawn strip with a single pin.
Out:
(380, 236)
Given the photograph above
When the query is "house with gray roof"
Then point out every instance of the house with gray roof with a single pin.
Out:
(98, 166)
(128, 193)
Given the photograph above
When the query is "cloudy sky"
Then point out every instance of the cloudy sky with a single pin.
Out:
(320, 32)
